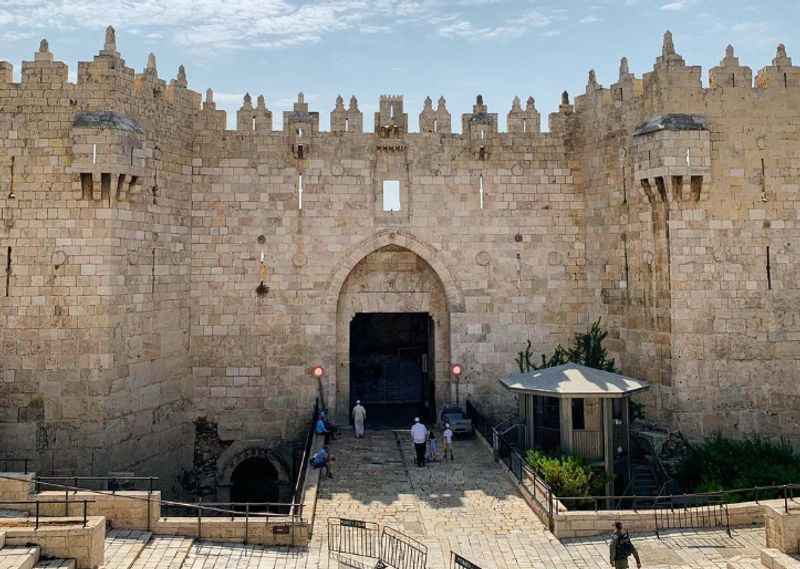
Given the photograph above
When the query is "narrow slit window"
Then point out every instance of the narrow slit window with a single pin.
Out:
(94, 153)
(524, 125)
(391, 195)
(483, 134)
(435, 125)
(347, 125)
(300, 191)
(786, 80)
(299, 132)
(391, 111)
(253, 126)
(481, 189)
(769, 271)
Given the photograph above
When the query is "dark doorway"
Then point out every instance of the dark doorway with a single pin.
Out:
(391, 367)
(255, 480)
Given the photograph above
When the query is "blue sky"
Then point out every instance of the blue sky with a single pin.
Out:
(455, 48)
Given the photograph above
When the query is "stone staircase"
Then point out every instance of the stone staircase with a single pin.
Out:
(134, 549)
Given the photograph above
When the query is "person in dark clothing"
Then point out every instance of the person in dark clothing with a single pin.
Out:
(621, 547)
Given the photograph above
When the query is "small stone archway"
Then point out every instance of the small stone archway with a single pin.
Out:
(239, 453)
(393, 273)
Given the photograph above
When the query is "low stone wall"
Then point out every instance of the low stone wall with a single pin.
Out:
(15, 487)
(783, 528)
(279, 531)
(578, 523)
(123, 510)
(774, 559)
(64, 538)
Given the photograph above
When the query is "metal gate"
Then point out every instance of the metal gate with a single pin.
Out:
(692, 516)
(458, 562)
(402, 552)
(354, 537)
(387, 547)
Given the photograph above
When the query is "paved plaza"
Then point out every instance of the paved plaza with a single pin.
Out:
(468, 506)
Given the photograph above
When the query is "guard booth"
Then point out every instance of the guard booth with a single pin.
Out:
(578, 410)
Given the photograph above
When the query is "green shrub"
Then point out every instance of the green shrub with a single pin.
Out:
(567, 475)
(719, 463)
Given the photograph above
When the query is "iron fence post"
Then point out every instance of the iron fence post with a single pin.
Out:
(785, 499)
(37, 514)
(199, 522)
(246, 519)
(85, 502)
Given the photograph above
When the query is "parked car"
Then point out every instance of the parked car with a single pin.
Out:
(459, 423)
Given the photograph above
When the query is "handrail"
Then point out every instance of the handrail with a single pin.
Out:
(295, 514)
(110, 479)
(5, 461)
(299, 488)
(36, 505)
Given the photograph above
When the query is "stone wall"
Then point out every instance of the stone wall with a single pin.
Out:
(164, 272)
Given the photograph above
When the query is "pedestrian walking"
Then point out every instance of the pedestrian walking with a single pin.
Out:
(419, 435)
(359, 418)
(621, 548)
(433, 450)
(447, 436)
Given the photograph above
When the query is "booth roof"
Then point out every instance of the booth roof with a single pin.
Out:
(573, 380)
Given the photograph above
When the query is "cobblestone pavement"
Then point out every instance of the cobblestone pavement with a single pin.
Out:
(122, 547)
(469, 506)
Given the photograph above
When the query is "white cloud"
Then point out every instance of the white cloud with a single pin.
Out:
(675, 6)
(373, 29)
(590, 20)
(509, 29)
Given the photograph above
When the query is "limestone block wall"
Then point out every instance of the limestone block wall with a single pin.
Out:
(698, 277)
(93, 307)
(509, 271)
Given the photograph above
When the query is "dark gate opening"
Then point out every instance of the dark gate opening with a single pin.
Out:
(255, 480)
(391, 367)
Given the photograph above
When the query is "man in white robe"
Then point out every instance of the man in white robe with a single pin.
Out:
(359, 418)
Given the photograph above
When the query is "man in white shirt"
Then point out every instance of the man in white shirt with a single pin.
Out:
(359, 418)
(419, 435)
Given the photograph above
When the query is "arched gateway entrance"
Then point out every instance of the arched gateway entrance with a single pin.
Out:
(393, 337)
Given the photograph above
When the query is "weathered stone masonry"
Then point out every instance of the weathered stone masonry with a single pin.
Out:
(133, 229)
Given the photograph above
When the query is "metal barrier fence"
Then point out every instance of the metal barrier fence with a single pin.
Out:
(458, 562)
(354, 537)
(36, 506)
(402, 552)
(387, 546)
(706, 516)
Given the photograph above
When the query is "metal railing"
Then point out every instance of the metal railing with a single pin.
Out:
(302, 468)
(35, 505)
(479, 422)
(354, 537)
(703, 516)
(459, 562)
(199, 510)
(7, 462)
(401, 551)
(106, 483)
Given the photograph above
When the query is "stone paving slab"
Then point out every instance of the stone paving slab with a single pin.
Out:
(122, 547)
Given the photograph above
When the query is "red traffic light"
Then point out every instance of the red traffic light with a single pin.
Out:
(318, 371)
(456, 369)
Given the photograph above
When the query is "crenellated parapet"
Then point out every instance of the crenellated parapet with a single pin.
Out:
(390, 120)
(435, 121)
(525, 121)
(43, 69)
(299, 127)
(479, 128)
(347, 119)
(781, 74)
(729, 74)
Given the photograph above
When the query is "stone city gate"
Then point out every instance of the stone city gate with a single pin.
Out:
(393, 332)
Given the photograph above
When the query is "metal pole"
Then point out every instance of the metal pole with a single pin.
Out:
(199, 522)
(84, 512)
(37, 514)
(246, 518)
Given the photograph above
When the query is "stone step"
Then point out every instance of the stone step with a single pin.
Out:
(164, 552)
(19, 557)
(123, 547)
(55, 564)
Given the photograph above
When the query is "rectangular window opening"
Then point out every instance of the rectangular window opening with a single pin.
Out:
(481, 190)
(120, 184)
(578, 415)
(94, 153)
(253, 124)
(524, 125)
(435, 125)
(347, 125)
(677, 187)
(8, 271)
(299, 191)
(391, 195)
(86, 185)
(769, 271)
(662, 190)
(105, 185)
(697, 187)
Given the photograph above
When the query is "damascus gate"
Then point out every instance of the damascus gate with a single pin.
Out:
(169, 284)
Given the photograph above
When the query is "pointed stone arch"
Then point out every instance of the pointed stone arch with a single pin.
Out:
(429, 254)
